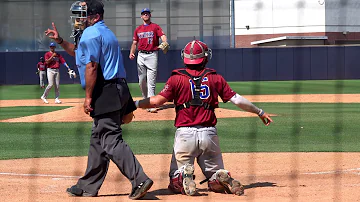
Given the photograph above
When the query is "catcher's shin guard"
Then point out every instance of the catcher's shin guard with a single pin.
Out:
(183, 181)
(222, 182)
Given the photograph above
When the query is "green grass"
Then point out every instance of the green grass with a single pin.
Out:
(243, 88)
(308, 127)
(15, 112)
(297, 87)
(326, 127)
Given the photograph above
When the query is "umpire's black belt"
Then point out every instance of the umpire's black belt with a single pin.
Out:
(146, 52)
(121, 80)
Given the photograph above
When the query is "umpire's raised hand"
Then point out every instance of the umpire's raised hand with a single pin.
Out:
(53, 33)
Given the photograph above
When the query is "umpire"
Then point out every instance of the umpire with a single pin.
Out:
(107, 100)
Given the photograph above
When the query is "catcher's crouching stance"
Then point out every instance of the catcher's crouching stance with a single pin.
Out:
(195, 92)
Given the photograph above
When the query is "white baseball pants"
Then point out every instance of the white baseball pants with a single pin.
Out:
(53, 76)
(147, 72)
(42, 76)
(198, 142)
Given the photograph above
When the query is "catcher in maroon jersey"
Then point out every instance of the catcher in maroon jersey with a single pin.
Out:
(195, 90)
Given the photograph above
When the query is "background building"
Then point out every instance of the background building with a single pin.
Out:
(319, 21)
(256, 20)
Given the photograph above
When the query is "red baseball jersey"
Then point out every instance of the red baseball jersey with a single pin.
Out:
(147, 36)
(55, 62)
(179, 88)
(41, 66)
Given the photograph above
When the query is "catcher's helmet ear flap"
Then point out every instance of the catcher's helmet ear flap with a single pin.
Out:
(209, 53)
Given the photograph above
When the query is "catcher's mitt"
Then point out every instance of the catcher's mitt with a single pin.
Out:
(164, 46)
(71, 73)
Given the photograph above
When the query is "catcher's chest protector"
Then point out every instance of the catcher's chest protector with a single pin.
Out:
(196, 101)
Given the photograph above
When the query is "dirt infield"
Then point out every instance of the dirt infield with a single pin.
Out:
(267, 176)
(279, 177)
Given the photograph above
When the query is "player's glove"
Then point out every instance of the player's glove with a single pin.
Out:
(71, 73)
(37, 72)
(164, 46)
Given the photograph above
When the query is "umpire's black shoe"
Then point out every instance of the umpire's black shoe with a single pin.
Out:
(140, 191)
(76, 191)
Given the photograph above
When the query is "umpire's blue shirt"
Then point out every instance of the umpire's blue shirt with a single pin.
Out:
(99, 44)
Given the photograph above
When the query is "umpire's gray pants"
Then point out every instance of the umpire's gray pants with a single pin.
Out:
(42, 76)
(147, 71)
(53, 76)
(106, 144)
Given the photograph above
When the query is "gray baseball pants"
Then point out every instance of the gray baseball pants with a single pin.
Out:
(42, 76)
(106, 144)
(197, 142)
(147, 72)
(53, 76)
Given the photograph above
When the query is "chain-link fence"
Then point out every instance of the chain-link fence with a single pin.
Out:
(24, 22)
(309, 153)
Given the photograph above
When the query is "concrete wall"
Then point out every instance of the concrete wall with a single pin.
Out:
(342, 15)
(278, 16)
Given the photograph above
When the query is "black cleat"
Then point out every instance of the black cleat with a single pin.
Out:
(140, 191)
(76, 191)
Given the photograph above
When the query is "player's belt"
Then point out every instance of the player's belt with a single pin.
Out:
(146, 52)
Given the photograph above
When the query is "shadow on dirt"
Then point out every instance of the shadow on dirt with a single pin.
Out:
(260, 184)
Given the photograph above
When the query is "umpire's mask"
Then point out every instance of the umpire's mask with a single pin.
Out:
(79, 17)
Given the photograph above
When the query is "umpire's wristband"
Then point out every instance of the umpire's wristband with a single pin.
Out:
(261, 112)
(61, 40)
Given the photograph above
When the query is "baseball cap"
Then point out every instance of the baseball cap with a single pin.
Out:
(145, 10)
(195, 52)
(52, 44)
(94, 7)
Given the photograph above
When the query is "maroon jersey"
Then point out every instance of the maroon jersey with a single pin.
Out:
(41, 66)
(180, 89)
(55, 62)
(147, 36)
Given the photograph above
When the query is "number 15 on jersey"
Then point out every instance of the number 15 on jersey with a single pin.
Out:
(204, 89)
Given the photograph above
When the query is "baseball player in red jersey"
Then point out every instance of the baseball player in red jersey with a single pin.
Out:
(146, 38)
(41, 68)
(53, 61)
(195, 90)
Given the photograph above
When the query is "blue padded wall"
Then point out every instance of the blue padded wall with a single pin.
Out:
(284, 64)
(268, 64)
(352, 62)
(241, 64)
(318, 63)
